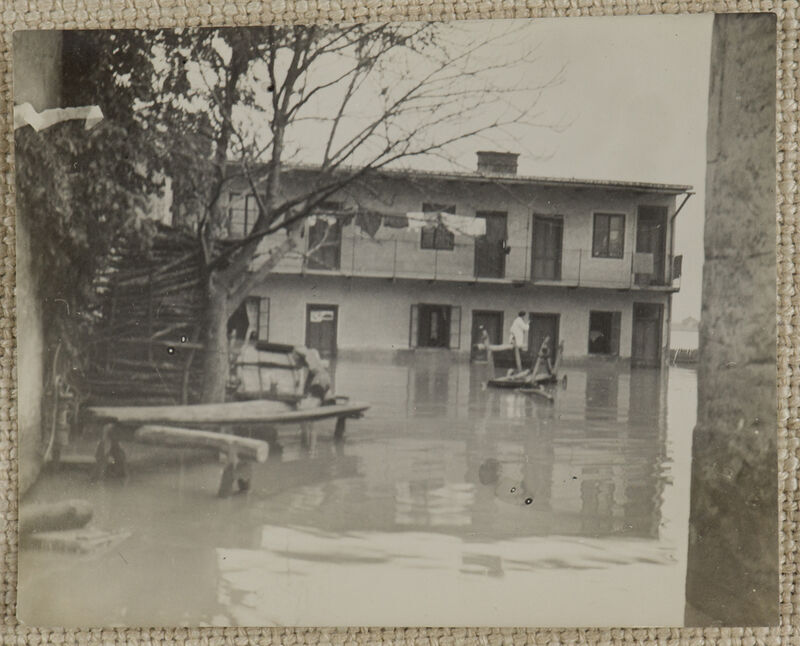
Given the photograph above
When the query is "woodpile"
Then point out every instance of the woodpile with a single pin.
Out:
(150, 331)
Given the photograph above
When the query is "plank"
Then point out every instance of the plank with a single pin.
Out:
(246, 412)
(182, 438)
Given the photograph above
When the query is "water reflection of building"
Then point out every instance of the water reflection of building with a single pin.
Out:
(593, 461)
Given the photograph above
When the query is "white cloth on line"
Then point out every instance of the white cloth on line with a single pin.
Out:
(459, 224)
(26, 115)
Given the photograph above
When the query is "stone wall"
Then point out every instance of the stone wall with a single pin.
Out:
(733, 537)
(37, 80)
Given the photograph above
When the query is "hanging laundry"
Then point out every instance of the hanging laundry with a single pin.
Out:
(463, 225)
(395, 221)
(458, 224)
(418, 221)
(368, 222)
(26, 115)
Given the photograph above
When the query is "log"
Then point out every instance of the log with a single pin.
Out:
(174, 437)
(57, 516)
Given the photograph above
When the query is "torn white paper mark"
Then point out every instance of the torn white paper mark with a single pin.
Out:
(26, 115)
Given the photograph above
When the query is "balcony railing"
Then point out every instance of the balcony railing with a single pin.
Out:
(398, 258)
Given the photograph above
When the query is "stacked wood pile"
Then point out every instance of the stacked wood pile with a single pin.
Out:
(149, 335)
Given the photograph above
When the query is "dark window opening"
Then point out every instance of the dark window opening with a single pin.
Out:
(604, 333)
(433, 207)
(608, 240)
(437, 236)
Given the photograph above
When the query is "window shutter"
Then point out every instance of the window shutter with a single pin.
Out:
(677, 267)
(455, 327)
(413, 326)
(616, 322)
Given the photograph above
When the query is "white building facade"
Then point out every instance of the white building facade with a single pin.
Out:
(592, 262)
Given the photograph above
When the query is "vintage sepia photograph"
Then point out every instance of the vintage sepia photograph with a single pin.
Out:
(398, 324)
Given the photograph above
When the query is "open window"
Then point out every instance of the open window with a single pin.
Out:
(604, 330)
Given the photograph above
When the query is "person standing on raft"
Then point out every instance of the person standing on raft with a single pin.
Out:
(519, 336)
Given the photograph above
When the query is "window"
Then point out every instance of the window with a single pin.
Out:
(437, 236)
(241, 214)
(235, 215)
(609, 235)
(263, 319)
(604, 332)
(250, 321)
(325, 238)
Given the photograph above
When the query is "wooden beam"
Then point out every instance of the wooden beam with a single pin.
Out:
(173, 437)
(247, 412)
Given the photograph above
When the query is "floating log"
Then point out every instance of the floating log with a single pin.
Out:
(182, 438)
(57, 516)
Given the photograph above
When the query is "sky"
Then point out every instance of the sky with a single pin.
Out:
(611, 98)
(635, 90)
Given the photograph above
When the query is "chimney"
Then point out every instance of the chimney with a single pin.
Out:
(494, 163)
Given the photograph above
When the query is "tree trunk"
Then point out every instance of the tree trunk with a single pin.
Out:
(215, 359)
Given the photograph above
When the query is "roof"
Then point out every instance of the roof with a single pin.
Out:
(499, 178)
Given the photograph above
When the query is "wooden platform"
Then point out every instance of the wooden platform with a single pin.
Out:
(245, 412)
(181, 427)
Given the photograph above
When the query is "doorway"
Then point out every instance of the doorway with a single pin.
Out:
(321, 325)
(490, 249)
(651, 238)
(543, 325)
(548, 235)
(646, 342)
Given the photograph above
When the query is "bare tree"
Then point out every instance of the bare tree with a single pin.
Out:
(234, 105)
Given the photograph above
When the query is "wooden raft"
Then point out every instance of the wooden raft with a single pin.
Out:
(166, 426)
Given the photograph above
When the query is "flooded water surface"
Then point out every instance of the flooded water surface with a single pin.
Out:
(447, 504)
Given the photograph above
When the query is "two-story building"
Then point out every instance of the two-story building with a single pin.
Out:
(592, 261)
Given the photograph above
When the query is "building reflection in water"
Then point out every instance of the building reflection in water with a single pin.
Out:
(593, 462)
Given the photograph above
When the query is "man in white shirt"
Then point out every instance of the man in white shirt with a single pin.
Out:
(519, 336)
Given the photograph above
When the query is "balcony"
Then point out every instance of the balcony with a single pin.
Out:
(401, 257)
